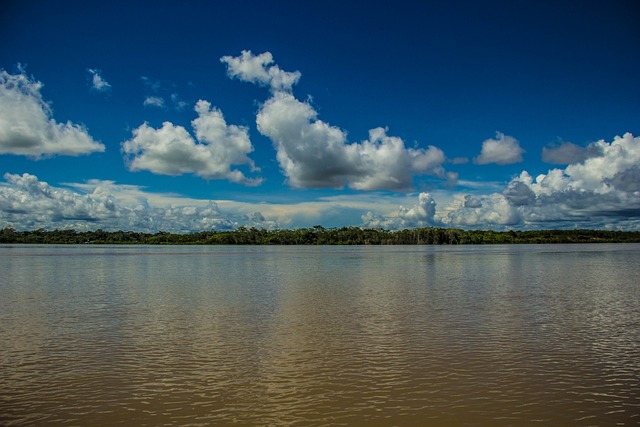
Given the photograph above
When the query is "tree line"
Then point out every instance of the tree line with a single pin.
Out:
(319, 235)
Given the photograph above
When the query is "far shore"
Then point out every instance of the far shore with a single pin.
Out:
(319, 235)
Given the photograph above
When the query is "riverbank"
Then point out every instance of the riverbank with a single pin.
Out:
(321, 236)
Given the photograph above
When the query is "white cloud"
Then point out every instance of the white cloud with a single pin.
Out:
(98, 83)
(593, 174)
(28, 203)
(27, 126)
(131, 207)
(420, 215)
(492, 211)
(259, 69)
(600, 191)
(154, 101)
(503, 150)
(314, 154)
(329, 211)
(171, 150)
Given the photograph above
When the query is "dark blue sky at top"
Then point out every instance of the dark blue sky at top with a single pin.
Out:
(448, 74)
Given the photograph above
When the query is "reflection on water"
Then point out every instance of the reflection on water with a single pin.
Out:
(147, 335)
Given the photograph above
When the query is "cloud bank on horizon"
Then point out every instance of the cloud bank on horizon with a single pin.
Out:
(591, 194)
(599, 187)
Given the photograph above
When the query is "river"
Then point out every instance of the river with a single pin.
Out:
(320, 336)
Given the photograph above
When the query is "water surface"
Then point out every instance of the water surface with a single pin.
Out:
(380, 336)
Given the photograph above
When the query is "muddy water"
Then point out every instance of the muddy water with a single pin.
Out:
(376, 336)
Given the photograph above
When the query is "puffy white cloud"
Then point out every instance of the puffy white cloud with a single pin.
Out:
(154, 101)
(314, 154)
(595, 173)
(171, 150)
(27, 126)
(420, 215)
(98, 83)
(600, 191)
(261, 70)
(492, 211)
(503, 150)
(28, 203)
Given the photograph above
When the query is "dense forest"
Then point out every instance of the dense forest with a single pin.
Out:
(320, 236)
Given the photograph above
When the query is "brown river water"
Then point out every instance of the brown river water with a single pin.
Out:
(543, 335)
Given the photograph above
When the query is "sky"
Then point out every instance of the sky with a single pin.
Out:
(186, 116)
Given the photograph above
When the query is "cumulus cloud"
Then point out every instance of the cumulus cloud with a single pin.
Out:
(503, 150)
(471, 202)
(28, 203)
(602, 191)
(171, 150)
(98, 83)
(597, 192)
(491, 211)
(27, 126)
(627, 180)
(315, 154)
(518, 193)
(420, 215)
(261, 70)
(593, 174)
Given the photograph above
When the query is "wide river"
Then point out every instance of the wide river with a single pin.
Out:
(516, 335)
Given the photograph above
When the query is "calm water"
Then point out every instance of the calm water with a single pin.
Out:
(376, 336)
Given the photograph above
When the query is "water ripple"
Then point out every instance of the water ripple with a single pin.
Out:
(315, 337)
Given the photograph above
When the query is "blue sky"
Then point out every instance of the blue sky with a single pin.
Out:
(193, 115)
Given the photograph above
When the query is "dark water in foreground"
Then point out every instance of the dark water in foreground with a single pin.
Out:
(376, 336)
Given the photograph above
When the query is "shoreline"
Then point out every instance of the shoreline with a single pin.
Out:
(320, 236)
